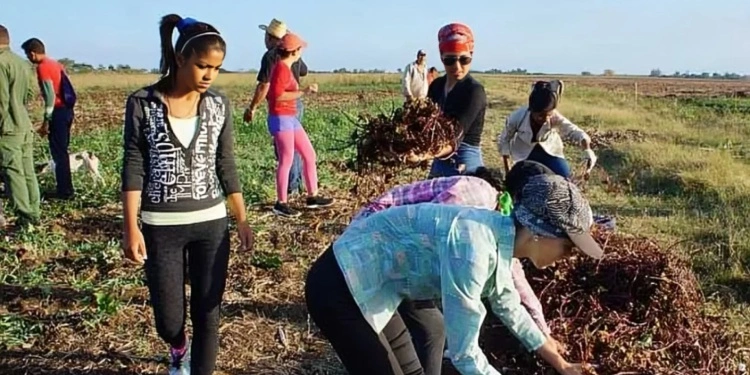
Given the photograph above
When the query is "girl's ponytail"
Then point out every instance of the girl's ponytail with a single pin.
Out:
(168, 63)
(560, 89)
(194, 37)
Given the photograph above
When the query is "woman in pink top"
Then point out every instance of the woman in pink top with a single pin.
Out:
(286, 129)
(478, 189)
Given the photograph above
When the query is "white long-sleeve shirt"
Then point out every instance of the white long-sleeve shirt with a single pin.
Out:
(414, 83)
(516, 138)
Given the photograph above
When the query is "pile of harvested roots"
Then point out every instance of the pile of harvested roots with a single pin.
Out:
(398, 138)
(638, 311)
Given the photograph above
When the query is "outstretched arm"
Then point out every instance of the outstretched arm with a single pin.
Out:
(528, 297)
(571, 130)
(264, 79)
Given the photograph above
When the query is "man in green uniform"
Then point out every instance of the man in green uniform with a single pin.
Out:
(17, 88)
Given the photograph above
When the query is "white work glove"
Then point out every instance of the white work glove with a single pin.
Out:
(591, 159)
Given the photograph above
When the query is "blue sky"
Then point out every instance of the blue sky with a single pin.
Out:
(563, 36)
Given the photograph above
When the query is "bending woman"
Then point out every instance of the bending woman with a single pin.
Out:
(178, 169)
(423, 318)
(436, 251)
(459, 96)
(535, 132)
(287, 130)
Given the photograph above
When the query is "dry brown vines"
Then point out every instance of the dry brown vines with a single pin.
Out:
(638, 311)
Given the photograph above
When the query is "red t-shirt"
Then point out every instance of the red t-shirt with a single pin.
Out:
(282, 80)
(51, 70)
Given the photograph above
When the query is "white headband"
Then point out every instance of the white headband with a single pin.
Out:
(197, 36)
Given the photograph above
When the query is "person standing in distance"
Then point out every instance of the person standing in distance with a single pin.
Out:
(59, 101)
(432, 74)
(274, 31)
(17, 88)
(415, 81)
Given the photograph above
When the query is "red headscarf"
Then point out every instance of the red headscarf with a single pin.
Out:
(456, 38)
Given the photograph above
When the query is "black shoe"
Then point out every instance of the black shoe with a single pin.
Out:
(66, 197)
(283, 209)
(318, 202)
(60, 197)
(24, 222)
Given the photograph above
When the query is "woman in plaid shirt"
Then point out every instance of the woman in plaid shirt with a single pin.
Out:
(479, 189)
(457, 254)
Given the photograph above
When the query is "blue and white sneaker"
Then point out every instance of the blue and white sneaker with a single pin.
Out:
(179, 364)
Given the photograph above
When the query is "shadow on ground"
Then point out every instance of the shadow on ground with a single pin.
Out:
(277, 311)
(741, 286)
(37, 362)
(62, 295)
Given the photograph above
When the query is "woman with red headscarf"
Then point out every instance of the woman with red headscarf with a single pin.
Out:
(462, 97)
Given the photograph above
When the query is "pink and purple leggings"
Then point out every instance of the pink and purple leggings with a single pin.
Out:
(289, 136)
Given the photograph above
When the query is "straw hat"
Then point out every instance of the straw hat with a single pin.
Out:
(275, 28)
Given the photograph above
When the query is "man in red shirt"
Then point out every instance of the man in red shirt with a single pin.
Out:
(58, 112)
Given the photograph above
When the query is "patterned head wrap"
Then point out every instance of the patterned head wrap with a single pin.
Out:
(456, 38)
(551, 206)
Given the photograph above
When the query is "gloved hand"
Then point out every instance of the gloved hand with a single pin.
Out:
(591, 157)
(505, 204)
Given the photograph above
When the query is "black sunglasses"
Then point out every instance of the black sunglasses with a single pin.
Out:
(451, 60)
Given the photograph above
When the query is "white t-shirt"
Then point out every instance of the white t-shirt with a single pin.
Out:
(414, 82)
(184, 128)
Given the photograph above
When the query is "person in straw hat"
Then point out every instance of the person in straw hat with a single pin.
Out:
(274, 31)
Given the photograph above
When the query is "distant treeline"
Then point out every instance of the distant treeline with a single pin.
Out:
(77, 67)
(704, 75)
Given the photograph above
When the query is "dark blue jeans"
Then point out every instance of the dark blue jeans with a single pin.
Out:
(295, 174)
(468, 155)
(558, 165)
(59, 140)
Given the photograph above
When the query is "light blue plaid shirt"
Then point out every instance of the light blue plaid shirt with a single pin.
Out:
(435, 251)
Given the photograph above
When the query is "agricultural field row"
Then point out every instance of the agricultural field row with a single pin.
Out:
(674, 167)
